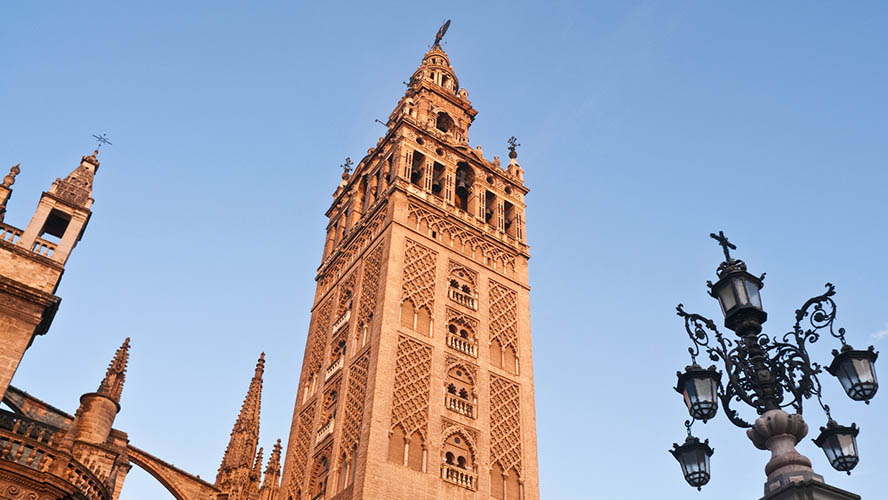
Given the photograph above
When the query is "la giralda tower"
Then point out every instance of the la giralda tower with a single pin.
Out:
(417, 380)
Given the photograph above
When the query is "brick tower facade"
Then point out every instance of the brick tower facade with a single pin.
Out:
(417, 380)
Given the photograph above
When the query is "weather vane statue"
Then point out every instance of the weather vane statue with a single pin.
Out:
(441, 31)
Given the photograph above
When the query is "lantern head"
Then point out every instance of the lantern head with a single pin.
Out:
(693, 457)
(700, 390)
(856, 372)
(839, 443)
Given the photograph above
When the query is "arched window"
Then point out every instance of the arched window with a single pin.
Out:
(460, 392)
(465, 177)
(444, 123)
(417, 169)
(458, 465)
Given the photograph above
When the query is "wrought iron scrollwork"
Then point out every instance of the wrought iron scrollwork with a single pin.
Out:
(766, 372)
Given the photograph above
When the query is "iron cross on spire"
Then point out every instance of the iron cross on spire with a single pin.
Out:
(346, 167)
(725, 244)
(513, 143)
(102, 139)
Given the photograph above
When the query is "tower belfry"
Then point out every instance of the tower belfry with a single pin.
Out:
(32, 260)
(417, 378)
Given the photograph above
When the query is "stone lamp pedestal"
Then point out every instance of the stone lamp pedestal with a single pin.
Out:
(790, 476)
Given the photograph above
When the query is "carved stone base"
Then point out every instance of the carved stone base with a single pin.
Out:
(811, 489)
(779, 432)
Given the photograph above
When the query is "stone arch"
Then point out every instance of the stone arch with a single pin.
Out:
(180, 484)
(467, 438)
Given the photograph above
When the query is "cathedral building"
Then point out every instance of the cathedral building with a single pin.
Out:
(417, 378)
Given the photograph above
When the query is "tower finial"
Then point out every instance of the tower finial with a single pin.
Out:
(441, 31)
(513, 143)
(346, 167)
(9, 180)
(112, 384)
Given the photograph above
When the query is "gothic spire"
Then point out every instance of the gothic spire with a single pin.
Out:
(257, 466)
(270, 483)
(241, 449)
(112, 384)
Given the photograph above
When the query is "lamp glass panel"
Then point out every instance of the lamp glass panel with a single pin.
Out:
(830, 447)
(726, 297)
(752, 290)
(846, 444)
(689, 461)
(740, 290)
(863, 369)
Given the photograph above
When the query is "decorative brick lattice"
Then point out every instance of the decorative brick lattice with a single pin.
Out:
(472, 245)
(503, 316)
(413, 373)
(370, 285)
(319, 337)
(304, 440)
(354, 405)
(419, 276)
(346, 298)
(332, 270)
(505, 423)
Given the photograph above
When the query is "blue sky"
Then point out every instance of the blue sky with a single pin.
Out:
(644, 126)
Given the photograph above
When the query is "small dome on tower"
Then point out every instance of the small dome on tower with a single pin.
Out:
(436, 67)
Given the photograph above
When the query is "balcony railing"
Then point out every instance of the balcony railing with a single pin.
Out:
(462, 298)
(325, 430)
(43, 247)
(333, 368)
(462, 345)
(455, 403)
(342, 321)
(459, 477)
(32, 444)
(9, 234)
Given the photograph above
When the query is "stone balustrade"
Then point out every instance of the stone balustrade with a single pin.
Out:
(462, 298)
(325, 430)
(460, 477)
(462, 345)
(33, 444)
(43, 247)
(342, 321)
(9, 234)
(459, 405)
(333, 368)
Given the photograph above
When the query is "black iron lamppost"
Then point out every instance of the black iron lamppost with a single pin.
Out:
(769, 374)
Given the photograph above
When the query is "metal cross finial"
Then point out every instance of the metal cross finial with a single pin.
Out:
(725, 244)
(102, 139)
(346, 167)
(513, 143)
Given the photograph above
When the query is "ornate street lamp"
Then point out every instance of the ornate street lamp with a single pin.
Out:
(700, 390)
(693, 457)
(840, 445)
(856, 372)
(768, 374)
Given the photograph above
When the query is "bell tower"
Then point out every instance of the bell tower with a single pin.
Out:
(417, 378)
(32, 261)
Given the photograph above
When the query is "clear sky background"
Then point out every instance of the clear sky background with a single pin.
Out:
(644, 126)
